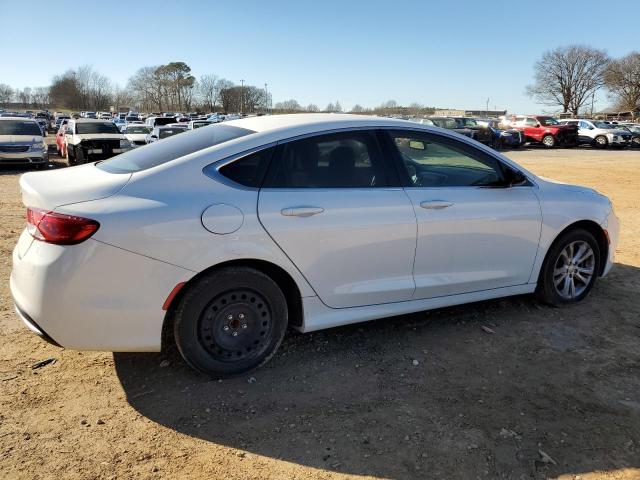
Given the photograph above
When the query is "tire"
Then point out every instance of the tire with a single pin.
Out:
(600, 141)
(79, 156)
(635, 142)
(549, 141)
(230, 322)
(559, 272)
(71, 159)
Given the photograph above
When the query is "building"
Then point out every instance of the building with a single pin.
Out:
(451, 112)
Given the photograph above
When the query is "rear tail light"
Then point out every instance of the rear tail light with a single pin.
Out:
(58, 228)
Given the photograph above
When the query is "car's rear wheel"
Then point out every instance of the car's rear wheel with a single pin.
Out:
(549, 141)
(570, 269)
(230, 321)
(600, 141)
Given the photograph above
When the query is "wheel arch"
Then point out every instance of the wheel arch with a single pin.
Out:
(594, 229)
(279, 275)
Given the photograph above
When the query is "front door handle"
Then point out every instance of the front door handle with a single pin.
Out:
(301, 211)
(435, 204)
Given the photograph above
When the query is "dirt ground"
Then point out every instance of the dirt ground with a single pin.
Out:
(553, 393)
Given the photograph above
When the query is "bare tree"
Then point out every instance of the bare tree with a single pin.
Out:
(6, 94)
(24, 96)
(209, 91)
(622, 79)
(312, 107)
(357, 108)
(288, 106)
(337, 107)
(330, 108)
(568, 77)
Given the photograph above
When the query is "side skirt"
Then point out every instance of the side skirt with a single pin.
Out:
(318, 316)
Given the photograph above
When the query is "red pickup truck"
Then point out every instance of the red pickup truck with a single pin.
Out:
(546, 131)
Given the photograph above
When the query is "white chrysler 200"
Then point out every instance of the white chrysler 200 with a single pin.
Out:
(229, 234)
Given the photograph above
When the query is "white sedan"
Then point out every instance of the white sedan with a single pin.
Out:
(227, 235)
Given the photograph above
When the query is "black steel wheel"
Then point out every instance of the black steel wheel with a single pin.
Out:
(230, 322)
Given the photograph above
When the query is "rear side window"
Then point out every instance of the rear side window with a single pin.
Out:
(171, 148)
(338, 160)
(248, 171)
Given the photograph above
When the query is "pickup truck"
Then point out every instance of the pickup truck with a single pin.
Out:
(546, 131)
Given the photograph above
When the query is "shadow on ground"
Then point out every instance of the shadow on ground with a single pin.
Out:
(565, 382)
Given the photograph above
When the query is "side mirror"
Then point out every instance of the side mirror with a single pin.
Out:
(154, 136)
(516, 178)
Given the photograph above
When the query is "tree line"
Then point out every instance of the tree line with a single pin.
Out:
(170, 87)
(569, 77)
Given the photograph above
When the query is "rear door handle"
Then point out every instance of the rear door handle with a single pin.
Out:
(435, 204)
(301, 211)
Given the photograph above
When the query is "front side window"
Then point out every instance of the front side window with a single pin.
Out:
(338, 160)
(430, 162)
(531, 122)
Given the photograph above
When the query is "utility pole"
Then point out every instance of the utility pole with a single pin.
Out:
(486, 112)
(241, 94)
(266, 98)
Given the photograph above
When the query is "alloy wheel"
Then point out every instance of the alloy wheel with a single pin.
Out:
(574, 269)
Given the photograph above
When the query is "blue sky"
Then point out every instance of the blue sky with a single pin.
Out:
(446, 54)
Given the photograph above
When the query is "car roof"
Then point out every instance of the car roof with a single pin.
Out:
(315, 122)
(91, 120)
(19, 118)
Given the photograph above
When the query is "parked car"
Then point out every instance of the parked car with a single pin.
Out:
(215, 118)
(104, 116)
(451, 124)
(88, 140)
(481, 133)
(634, 130)
(546, 131)
(22, 142)
(42, 123)
(165, 131)
(599, 134)
(504, 137)
(136, 134)
(157, 121)
(193, 124)
(228, 235)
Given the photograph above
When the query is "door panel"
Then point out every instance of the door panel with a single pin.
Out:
(355, 246)
(476, 231)
(486, 238)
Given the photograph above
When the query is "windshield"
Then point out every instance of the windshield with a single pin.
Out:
(548, 121)
(200, 124)
(137, 129)
(178, 146)
(167, 132)
(19, 127)
(96, 127)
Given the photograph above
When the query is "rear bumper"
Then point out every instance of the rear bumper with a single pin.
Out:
(92, 296)
(34, 327)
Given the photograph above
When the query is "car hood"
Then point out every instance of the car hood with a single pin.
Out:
(21, 139)
(568, 187)
(64, 186)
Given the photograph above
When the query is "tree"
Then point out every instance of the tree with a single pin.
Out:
(288, 106)
(312, 107)
(6, 94)
(209, 90)
(389, 104)
(337, 107)
(357, 108)
(622, 79)
(568, 77)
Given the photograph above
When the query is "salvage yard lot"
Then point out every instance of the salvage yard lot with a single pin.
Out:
(501, 389)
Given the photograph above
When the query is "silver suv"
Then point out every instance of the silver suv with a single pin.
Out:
(600, 134)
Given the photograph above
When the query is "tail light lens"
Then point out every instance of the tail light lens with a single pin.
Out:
(59, 228)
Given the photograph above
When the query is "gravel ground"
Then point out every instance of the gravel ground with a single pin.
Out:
(552, 393)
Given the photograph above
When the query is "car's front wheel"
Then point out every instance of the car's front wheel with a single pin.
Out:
(230, 321)
(570, 269)
(600, 141)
